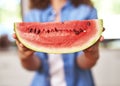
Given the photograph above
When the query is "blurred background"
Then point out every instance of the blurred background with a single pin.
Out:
(106, 72)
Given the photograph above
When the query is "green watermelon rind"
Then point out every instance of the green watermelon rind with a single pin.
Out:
(63, 50)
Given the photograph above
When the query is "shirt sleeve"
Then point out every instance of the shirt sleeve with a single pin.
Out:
(32, 16)
(93, 14)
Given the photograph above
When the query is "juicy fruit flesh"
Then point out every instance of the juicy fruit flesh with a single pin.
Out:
(58, 35)
(47, 36)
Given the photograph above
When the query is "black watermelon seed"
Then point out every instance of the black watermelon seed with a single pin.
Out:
(56, 29)
(88, 23)
(69, 30)
(35, 30)
(48, 31)
(30, 30)
(76, 32)
(80, 30)
(38, 31)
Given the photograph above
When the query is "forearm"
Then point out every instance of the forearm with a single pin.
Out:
(87, 61)
(31, 63)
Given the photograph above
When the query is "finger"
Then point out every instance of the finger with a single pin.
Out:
(103, 29)
(101, 38)
(14, 36)
(21, 47)
(17, 42)
(18, 45)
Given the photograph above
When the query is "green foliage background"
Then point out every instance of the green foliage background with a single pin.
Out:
(107, 6)
(9, 13)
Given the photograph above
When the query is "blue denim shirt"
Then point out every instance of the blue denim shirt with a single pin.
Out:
(74, 75)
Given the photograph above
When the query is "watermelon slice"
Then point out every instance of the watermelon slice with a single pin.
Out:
(59, 37)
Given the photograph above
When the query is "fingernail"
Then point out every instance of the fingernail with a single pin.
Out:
(21, 45)
(102, 38)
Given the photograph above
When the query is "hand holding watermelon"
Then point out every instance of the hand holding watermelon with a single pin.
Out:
(92, 53)
(90, 56)
(95, 45)
(94, 49)
(28, 59)
(23, 51)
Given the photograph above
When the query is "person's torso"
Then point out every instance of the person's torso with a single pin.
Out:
(74, 76)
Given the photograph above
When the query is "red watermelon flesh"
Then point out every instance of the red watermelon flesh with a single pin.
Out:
(59, 37)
